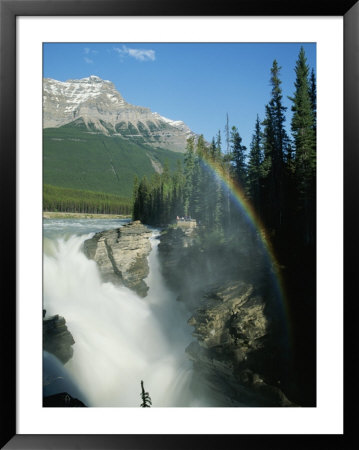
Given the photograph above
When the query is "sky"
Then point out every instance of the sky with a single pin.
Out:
(197, 83)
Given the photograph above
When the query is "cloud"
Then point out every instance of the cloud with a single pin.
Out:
(87, 51)
(137, 53)
(88, 60)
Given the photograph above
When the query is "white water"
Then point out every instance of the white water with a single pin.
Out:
(120, 338)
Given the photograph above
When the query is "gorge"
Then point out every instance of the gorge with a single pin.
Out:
(135, 315)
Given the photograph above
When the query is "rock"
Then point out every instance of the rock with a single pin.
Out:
(240, 355)
(173, 248)
(97, 106)
(63, 399)
(121, 255)
(56, 338)
(235, 350)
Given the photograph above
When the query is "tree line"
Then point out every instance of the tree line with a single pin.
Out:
(277, 174)
(74, 200)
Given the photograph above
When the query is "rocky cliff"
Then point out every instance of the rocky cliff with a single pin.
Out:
(98, 105)
(238, 352)
(235, 353)
(121, 255)
(57, 339)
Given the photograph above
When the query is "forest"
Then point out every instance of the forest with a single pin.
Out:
(75, 200)
(277, 177)
(277, 174)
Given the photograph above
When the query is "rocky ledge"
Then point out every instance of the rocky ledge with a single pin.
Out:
(56, 337)
(240, 354)
(121, 255)
(235, 352)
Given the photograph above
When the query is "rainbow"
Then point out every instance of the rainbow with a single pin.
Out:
(239, 198)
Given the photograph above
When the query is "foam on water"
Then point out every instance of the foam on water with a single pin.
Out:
(120, 338)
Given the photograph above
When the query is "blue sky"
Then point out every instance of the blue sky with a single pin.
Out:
(197, 83)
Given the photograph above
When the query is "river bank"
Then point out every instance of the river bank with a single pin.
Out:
(69, 215)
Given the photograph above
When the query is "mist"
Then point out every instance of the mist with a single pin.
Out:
(120, 339)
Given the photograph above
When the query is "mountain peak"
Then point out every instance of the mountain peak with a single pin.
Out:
(92, 79)
(103, 109)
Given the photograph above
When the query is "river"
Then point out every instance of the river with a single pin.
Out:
(120, 338)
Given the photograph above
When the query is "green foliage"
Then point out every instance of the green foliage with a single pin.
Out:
(313, 97)
(189, 162)
(273, 177)
(238, 157)
(254, 166)
(303, 123)
(275, 142)
(75, 158)
(278, 179)
(74, 200)
(303, 127)
(145, 396)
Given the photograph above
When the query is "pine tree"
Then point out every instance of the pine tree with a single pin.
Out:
(218, 143)
(188, 173)
(144, 206)
(313, 98)
(215, 150)
(145, 396)
(135, 212)
(227, 134)
(275, 143)
(238, 157)
(254, 166)
(178, 188)
(195, 200)
(303, 131)
(303, 120)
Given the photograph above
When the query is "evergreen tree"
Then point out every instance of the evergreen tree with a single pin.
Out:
(145, 396)
(215, 195)
(195, 200)
(188, 173)
(275, 142)
(278, 117)
(201, 148)
(254, 166)
(178, 189)
(238, 157)
(303, 130)
(135, 212)
(143, 199)
(302, 119)
(218, 144)
(166, 173)
(313, 98)
(227, 134)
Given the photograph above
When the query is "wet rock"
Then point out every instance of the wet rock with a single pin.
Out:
(56, 338)
(121, 255)
(235, 352)
(176, 258)
(63, 399)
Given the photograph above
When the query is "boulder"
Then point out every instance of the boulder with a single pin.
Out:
(56, 338)
(235, 352)
(121, 255)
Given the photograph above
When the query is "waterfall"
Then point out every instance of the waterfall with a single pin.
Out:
(120, 338)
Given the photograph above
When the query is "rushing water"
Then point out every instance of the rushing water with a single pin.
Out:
(120, 338)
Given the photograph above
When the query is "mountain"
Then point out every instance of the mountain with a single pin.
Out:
(96, 106)
(75, 158)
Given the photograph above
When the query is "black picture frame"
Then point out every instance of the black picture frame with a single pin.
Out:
(9, 10)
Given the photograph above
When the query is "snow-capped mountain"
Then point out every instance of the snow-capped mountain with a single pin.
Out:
(96, 104)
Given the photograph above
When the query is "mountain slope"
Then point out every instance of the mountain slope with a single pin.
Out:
(101, 108)
(74, 157)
